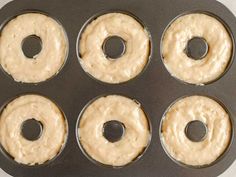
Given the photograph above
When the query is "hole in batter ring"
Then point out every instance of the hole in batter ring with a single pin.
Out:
(218, 45)
(134, 132)
(32, 46)
(25, 60)
(125, 66)
(31, 129)
(196, 131)
(180, 147)
(113, 130)
(197, 48)
(14, 122)
(114, 47)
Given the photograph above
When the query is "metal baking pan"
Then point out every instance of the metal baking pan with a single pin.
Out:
(154, 88)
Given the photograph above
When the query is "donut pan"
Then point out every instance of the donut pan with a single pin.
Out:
(154, 88)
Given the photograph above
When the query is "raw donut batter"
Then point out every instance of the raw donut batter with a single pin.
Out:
(53, 135)
(119, 108)
(189, 109)
(95, 62)
(175, 41)
(42, 66)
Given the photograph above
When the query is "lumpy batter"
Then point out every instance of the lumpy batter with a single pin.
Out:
(175, 40)
(95, 62)
(53, 135)
(203, 109)
(45, 64)
(119, 108)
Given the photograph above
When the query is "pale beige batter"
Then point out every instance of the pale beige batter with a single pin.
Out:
(47, 63)
(188, 109)
(95, 62)
(54, 129)
(119, 108)
(175, 40)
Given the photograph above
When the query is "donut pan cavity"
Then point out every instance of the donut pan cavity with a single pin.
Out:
(71, 89)
(33, 44)
(110, 136)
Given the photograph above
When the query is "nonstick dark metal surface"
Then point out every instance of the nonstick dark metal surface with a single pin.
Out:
(155, 89)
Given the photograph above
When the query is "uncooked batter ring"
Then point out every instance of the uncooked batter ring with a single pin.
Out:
(95, 62)
(196, 108)
(45, 64)
(118, 108)
(53, 135)
(175, 40)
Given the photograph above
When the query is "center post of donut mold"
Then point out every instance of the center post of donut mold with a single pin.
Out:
(113, 130)
(31, 129)
(197, 48)
(196, 131)
(114, 47)
(32, 46)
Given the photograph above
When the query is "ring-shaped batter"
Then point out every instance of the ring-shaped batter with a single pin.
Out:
(132, 143)
(175, 40)
(189, 109)
(124, 68)
(45, 64)
(52, 137)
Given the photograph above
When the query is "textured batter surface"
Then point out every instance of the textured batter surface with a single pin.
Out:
(124, 110)
(188, 109)
(42, 66)
(54, 129)
(175, 41)
(95, 62)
